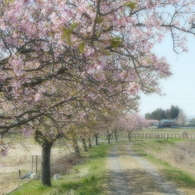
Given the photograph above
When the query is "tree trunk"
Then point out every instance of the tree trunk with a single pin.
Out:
(76, 147)
(89, 140)
(45, 165)
(108, 137)
(96, 139)
(84, 144)
(116, 137)
(129, 136)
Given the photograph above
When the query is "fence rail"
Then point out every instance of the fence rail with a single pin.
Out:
(124, 136)
(161, 136)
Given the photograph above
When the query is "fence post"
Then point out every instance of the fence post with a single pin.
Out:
(32, 163)
(36, 164)
(19, 173)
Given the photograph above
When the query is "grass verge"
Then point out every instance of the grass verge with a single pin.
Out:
(88, 178)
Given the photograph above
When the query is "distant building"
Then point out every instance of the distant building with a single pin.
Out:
(162, 123)
(168, 122)
(153, 123)
(190, 122)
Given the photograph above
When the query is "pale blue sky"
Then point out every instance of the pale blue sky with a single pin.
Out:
(180, 87)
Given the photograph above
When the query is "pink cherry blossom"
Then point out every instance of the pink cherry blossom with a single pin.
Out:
(37, 96)
(4, 150)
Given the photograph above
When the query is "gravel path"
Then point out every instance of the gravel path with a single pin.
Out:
(131, 174)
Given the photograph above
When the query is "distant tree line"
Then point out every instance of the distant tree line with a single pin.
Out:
(160, 114)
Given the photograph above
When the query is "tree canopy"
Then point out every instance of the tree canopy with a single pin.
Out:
(54, 53)
(160, 114)
(62, 60)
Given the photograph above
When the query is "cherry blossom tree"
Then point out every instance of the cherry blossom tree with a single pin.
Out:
(181, 118)
(46, 133)
(131, 122)
(109, 120)
(95, 125)
(56, 55)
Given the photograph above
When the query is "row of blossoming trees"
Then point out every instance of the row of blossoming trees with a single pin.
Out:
(68, 67)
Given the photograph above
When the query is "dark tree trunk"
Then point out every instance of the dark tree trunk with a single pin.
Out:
(46, 151)
(116, 137)
(129, 136)
(96, 139)
(84, 144)
(76, 147)
(89, 140)
(108, 137)
(46, 145)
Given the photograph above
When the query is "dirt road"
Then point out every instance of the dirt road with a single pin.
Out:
(131, 174)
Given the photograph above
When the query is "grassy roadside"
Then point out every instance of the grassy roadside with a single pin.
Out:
(181, 178)
(88, 178)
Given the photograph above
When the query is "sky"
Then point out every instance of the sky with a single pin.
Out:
(179, 89)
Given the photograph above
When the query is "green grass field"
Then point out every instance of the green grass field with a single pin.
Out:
(84, 179)
(168, 130)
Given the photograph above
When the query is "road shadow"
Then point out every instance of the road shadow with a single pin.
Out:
(131, 174)
(135, 182)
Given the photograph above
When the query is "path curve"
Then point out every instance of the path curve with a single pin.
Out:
(131, 174)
